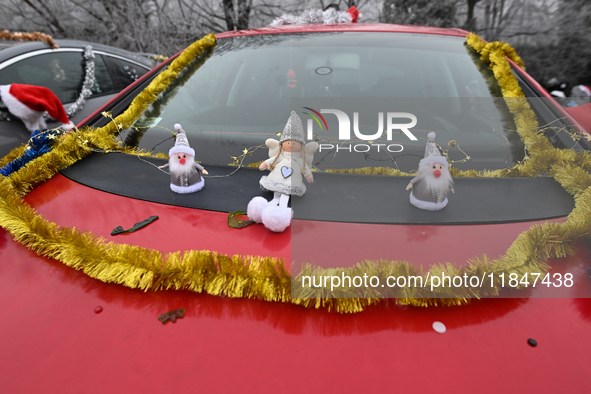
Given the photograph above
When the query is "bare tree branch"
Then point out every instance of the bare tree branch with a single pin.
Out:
(52, 19)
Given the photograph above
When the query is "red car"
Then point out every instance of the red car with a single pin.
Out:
(189, 303)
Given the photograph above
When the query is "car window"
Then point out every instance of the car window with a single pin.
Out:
(62, 72)
(103, 84)
(231, 99)
(243, 94)
(123, 72)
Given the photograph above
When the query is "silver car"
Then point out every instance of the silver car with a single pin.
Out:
(63, 70)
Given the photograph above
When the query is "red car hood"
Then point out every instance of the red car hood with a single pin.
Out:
(56, 340)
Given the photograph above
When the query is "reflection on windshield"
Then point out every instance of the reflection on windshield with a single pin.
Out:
(241, 94)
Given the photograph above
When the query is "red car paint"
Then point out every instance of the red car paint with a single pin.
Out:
(360, 27)
(53, 341)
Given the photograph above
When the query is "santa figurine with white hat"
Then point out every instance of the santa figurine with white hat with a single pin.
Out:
(430, 187)
(28, 103)
(185, 173)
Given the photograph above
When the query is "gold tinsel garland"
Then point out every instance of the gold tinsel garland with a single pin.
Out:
(266, 278)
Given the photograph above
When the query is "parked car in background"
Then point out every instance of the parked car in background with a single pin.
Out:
(63, 70)
(63, 330)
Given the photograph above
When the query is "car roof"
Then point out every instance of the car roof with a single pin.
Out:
(12, 48)
(356, 27)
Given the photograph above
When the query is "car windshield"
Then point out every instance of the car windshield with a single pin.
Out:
(241, 94)
(233, 98)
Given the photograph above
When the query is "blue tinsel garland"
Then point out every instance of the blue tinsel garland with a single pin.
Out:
(39, 144)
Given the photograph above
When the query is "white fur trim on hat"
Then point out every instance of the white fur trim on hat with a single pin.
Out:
(181, 149)
(32, 119)
(188, 189)
(68, 126)
(427, 205)
(434, 160)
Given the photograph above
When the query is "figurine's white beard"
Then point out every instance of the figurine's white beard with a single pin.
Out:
(182, 169)
(433, 184)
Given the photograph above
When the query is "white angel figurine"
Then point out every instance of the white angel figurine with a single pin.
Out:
(289, 159)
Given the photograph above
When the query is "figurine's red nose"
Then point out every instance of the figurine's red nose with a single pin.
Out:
(182, 161)
(437, 173)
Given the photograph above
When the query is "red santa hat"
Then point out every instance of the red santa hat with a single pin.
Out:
(28, 102)
(354, 12)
